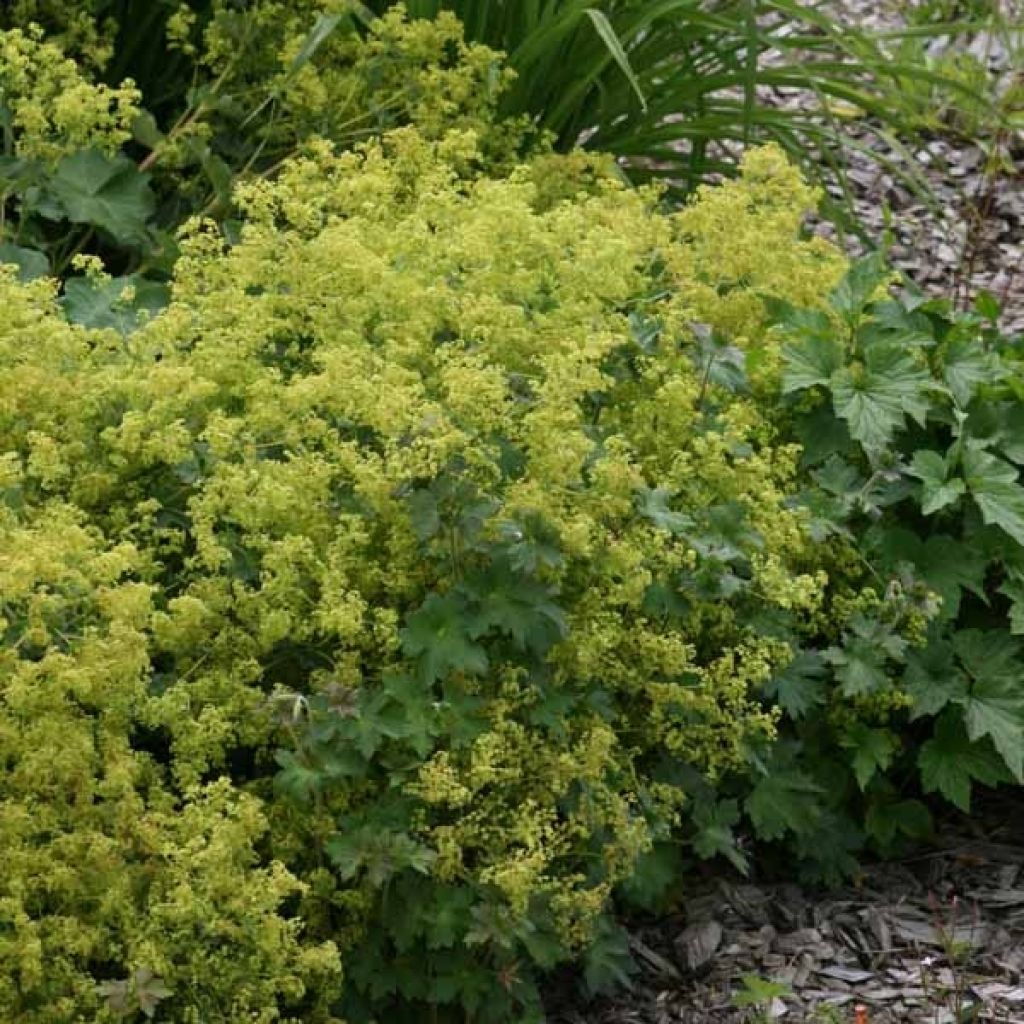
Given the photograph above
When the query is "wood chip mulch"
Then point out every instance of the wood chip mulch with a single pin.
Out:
(914, 941)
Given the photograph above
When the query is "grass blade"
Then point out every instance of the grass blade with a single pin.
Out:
(615, 48)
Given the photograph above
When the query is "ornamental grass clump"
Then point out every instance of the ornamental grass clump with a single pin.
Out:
(379, 600)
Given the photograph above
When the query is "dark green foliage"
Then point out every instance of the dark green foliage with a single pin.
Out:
(913, 416)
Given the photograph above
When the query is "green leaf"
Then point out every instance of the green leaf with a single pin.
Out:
(783, 800)
(610, 39)
(377, 717)
(449, 915)
(142, 992)
(891, 325)
(149, 991)
(810, 363)
(823, 435)
(552, 708)
(936, 490)
(653, 504)
(720, 363)
(714, 837)
(987, 305)
(424, 514)
(1010, 437)
(492, 926)
(530, 546)
(758, 991)
(872, 751)
(106, 304)
(297, 779)
(1013, 589)
(840, 478)
(109, 193)
(518, 607)
(932, 680)
(438, 635)
(949, 763)
(800, 686)
(377, 852)
(653, 876)
(118, 997)
(607, 963)
(859, 667)
(996, 490)
(796, 322)
(966, 365)
(322, 29)
(663, 601)
(988, 654)
(146, 131)
(947, 565)
(828, 852)
(995, 708)
(419, 722)
(885, 820)
(860, 282)
(950, 566)
(31, 263)
(875, 399)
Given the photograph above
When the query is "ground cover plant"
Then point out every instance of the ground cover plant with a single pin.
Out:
(439, 545)
(445, 614)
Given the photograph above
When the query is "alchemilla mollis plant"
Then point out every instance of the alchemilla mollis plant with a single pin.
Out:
(437, 545)
(423, 538)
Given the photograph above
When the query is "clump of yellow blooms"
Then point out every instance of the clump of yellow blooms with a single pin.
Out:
(74, 25)
(354, 83)
(742, 244)
(216, 508)
(103, 862)
(54, 109)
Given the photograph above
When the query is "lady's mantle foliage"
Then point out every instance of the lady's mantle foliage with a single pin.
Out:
(912, 421)
(428, 485)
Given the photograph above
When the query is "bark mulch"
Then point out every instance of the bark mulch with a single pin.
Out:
(913, 941)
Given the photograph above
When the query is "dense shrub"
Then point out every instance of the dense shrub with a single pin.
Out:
(429, 486)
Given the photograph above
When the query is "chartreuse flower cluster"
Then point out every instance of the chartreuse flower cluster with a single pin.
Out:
(377, 599)
(223, 94)
(280, 73)
(107, 867)
(422, 70)
(51, 109)
(76, 26)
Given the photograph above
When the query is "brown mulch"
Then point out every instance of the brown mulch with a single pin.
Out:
(965, 233)
(969, 235)
(910, 941)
